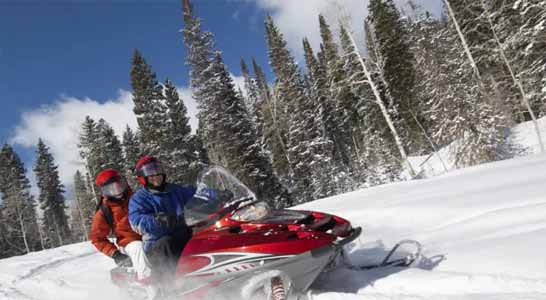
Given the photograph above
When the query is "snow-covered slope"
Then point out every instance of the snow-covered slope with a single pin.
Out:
(483, 230)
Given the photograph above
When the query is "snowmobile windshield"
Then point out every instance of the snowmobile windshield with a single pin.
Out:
(218, 192)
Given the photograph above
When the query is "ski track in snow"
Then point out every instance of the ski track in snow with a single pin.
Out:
(50, 265)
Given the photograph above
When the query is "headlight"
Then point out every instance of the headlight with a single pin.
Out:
(252, 212)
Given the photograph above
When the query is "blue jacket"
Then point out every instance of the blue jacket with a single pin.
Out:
(145, 204)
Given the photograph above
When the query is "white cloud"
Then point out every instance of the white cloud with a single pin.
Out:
(299, 19)
(58, 125)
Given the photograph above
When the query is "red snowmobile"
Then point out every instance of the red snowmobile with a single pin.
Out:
(243, 249)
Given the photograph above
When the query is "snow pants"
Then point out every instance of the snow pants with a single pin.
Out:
(135, 251)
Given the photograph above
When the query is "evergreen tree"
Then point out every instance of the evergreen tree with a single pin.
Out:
(341, 105)
(272, 134)
(100, 149)
(149, 106)
(309, 150)
(232, 138)
(131, 153)
(254, 102)
(332, 176)
(179, 146)
(378, 160)
(493, 76)
(51, 198)
(287, 89)
(396, 64)
(20, 232)
(84, 208)
(89, 148)
(110, 151)
(199, 52)
(459, 111)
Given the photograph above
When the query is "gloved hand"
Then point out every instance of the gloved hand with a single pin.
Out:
(169, 222)
(121, 259)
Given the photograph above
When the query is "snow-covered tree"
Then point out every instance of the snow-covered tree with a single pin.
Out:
(378, 159)
(178, 146)
(20, 229)
(51, 198)
(149, 107)
(131, 153)
(83, 209)
(109, 146)
(395, 63)
(232, 139)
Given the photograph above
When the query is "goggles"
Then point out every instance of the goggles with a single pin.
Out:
(151, 169)
(114, 189)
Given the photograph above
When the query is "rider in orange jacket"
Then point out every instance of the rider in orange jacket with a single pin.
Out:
(128, 249)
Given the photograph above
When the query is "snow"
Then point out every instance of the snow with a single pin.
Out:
(483, 230)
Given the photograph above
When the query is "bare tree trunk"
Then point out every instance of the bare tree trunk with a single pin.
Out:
(272, 106)
(58, 232)
(465, 44)
(524, 95)
(380, 64)
(379, 102)
(82, 221)
(41, 234)
(21, 217)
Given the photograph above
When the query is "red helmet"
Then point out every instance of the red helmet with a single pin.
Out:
(148, 166)
(111, 184)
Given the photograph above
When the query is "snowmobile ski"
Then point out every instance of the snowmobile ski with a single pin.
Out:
(404, 261)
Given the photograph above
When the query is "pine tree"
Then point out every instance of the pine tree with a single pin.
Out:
(179, 146)
(199, 52)
(20, 232)
(309, 149)
(254, 102)
(51, 198)
(89, 135)
(491, 73)
(396, 64)
(378, 160)
(100, 149)
(272, 135)
(110, 151)
(131, 153)
(149, 106)
(233, 140)
(459, 110)
(341, 105)
(332, 176)
(84, 208)
(288, 88)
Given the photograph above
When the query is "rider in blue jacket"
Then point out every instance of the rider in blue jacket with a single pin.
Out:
(156, 211)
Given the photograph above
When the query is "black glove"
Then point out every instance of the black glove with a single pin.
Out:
(169, 222)
(121, 259)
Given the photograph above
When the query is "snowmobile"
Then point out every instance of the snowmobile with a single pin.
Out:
(242, 248)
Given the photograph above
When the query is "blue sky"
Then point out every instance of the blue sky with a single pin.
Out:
(60, 48)
(63, 59)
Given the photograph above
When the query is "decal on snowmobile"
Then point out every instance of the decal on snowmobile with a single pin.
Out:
(234, 262)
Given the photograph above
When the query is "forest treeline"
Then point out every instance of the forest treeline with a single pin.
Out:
(343, 121)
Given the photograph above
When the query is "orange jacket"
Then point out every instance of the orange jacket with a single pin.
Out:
(122, 230)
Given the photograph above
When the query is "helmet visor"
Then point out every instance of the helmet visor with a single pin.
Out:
(151, 169)
(114, 189)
